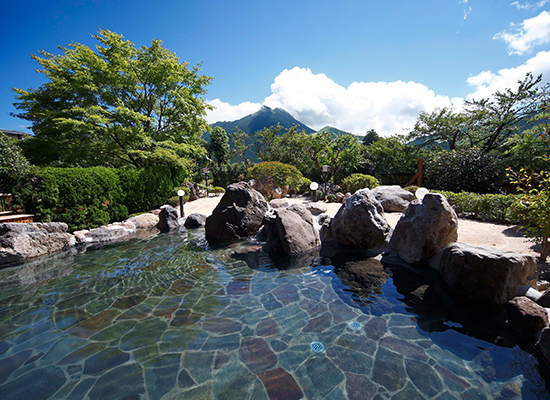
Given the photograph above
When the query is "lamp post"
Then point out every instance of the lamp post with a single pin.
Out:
(205, 171)
(325, 168)
(181, 193)
(314, 186)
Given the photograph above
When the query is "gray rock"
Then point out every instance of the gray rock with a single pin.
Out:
(316, 208)
(104, 234)
(20, 242)
(325, 231)
(484, 274)
(278, 203)
(424, 229)
(195, 220)
(238, 214)
(291, 230)
(361, 223)
(543, 345)
(393, 198)
(168, 219)
(144, 221)
(526, 317)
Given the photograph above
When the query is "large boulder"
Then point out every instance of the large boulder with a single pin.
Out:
(526, 317)
(268, 188)
(238, 214)
(168, 219)
(146, 221)
(393, 198)
(20, 242)
(361, 223)
(291, 230)
(424, 229)
(485, 275)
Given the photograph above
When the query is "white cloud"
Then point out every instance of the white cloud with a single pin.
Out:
(467, 12)
(487, 82)
(528, 34)
(463, 1)
(317, 101)
(528, 5)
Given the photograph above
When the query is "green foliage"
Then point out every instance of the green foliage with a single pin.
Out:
(304, 186)
(354, 182)
(390, 158)
(533, 206)
(13, 165)
(218, 147)
(284, 175)
(331, 198)
(469, 170)
(370, 137)
(486, 207)
(442, 125)
(217, 189)
(412, 188)
(85, 198)
(113, 105)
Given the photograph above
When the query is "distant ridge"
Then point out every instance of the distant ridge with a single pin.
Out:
(334, 131)
(265, 117)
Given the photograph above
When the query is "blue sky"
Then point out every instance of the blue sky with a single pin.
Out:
(355, 65)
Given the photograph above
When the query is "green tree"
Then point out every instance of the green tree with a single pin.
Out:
(13, 164)
(241, 146)
(114, 105)
(219, 146)
(442, 125)
(370, 137)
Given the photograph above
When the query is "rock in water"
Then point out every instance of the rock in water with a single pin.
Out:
(238, 214)
(19, 242)
(291, 230)
(424, 228)
(526, 317)
(484, 274)
(195, 220)
(393, 198)
(168, 219)
(361, 223)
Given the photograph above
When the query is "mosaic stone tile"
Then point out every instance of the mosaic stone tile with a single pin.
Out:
(313, 307)
(408, 333)
(71, 316)
(251, 317)
(201, 392)
(318, 324)
(185, 380)
(145, 333)
(404, 348)
(115, 331)
(77, 301)
(10, 364)
(81, 353)
(280, 385)
(408, 393)
(267, 327)
(233, 381)
(129, 302)
(452, 381)
(359, 387)
(270, 303)
(35, 331)
(258, 391)
(161, 375)
(311, 293)
(105, 360)
(423, 377)
(179, 287)
(286, 294)
(178, 340)
(199, 365)
(167, 307)
(220, 360)
(80, 390)
(336, 394)
(278, 345)
(141, 311)
(350, 361)
(34, 358)
(237, 288)
(256, 354)
(221, 326)
(185, 317)
(319, 376)
(388, 370)
(146, 353)
(357, 343)
(45, 382)
(123, 382)
(224, 343)
(376, 328)
(446, 396)
(474, 394)
(294, 356)
(341, 312)
(94, 324)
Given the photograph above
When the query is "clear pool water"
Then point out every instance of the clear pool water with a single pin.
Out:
(169, 318)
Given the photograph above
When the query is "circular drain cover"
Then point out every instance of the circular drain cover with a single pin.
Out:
(317, 347)
(354, 325)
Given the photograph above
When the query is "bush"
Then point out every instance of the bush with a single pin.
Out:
(354, 182)
(331, 198)
(13, 165)
(468, 170)
(412, 188)
(486, 207)
(217, 189)
(271, 173)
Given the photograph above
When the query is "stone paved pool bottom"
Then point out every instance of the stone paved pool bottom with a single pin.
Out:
(169, 318)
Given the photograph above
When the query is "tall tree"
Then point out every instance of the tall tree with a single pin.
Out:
(114, 105)
(441, 125)
(219, 146)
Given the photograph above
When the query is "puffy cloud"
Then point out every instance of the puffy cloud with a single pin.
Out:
(317, 101)
(487, 82)
(528, 34)
(226, 112)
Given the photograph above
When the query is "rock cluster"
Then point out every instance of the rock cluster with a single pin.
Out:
(393, 198)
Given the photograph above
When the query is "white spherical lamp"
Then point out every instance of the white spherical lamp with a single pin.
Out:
(181, 193)
(314, 186)
(421, 192)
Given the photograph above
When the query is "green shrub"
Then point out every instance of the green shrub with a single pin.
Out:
(286, 176)
(354, 182)
(412, 188)
(486, 207)
(331, 198)
(217, 189)
(13, 164)
(304, 186)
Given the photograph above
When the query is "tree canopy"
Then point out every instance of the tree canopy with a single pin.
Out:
(114, 105)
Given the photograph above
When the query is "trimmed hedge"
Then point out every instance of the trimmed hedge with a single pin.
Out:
(354, 182)
(85, 198)
(486, 207)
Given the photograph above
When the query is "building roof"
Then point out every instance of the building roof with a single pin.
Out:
(14, 134)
